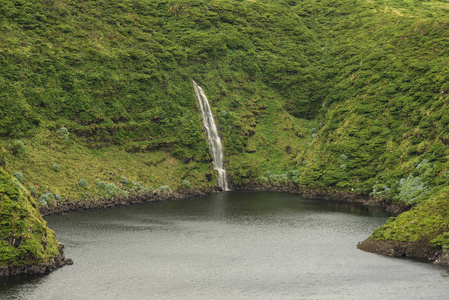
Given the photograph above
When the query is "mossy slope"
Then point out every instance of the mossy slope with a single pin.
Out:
(25, 238)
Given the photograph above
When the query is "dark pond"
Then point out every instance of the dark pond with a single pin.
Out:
(228, 246)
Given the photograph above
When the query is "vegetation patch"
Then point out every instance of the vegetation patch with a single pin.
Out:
(25, 238)
(351, 96)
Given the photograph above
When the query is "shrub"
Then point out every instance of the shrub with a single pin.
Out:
(55, 167)
(64, 133)
(18, 176)
(442, 240)
(293, 175)
(18, 147)
(411, 189)
(263, 180)
(82, 182)
(32, 189)
(381, 190)
(111, 189)
(425, 167)
(273, 178)
(283, 178)
(124, 180)
(186, 184)
(163, 188)
(101, 184)
(47, 198)
(139, 188)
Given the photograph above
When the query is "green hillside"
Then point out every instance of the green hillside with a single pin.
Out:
(25, 237)
(97, 97)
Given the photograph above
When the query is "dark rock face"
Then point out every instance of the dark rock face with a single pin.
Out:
(42, 268)
(416, 250)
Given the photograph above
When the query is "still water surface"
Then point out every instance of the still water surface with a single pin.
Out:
(228, 246)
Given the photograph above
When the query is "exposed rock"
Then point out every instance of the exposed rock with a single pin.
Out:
(416, 250)
(443, 260)
(40, 268)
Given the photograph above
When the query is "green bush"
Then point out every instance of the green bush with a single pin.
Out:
(19, 176)
(46, 199)
(18, 147)
(55, 167)
(186, 184)
(164, 188)
(411, 190)
(64, 133)
(139, 188)
(263, 180)
(442, 240)
(82, 183)
(110, 189)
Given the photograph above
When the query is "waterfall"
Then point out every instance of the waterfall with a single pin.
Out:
(212, 137)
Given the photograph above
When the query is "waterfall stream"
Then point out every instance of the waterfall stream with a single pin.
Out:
(212, 137)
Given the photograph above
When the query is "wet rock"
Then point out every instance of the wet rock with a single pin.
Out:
(417, 250)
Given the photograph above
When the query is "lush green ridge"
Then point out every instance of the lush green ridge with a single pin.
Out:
(25, 238)
(97, 96)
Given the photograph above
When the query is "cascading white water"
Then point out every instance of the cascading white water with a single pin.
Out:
(212, 136)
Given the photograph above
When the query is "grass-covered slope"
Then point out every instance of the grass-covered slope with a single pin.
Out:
(427, 223)
(384, 117)
(119, 76)
(97, 96)
(25, 239)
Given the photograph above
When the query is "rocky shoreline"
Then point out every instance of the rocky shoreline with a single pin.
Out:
(40, 268)
(424, 252)
(71, 205)
(329, 194)
(415, 250)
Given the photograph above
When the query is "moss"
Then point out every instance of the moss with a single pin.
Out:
(428, 221)
(25, 238)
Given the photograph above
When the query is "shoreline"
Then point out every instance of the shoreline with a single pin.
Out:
(155, 196)
(43, 268)
(98, 203)
(414, 250)
(418, 251)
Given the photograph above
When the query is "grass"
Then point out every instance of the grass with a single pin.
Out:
(76, 162)
(424, 223)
